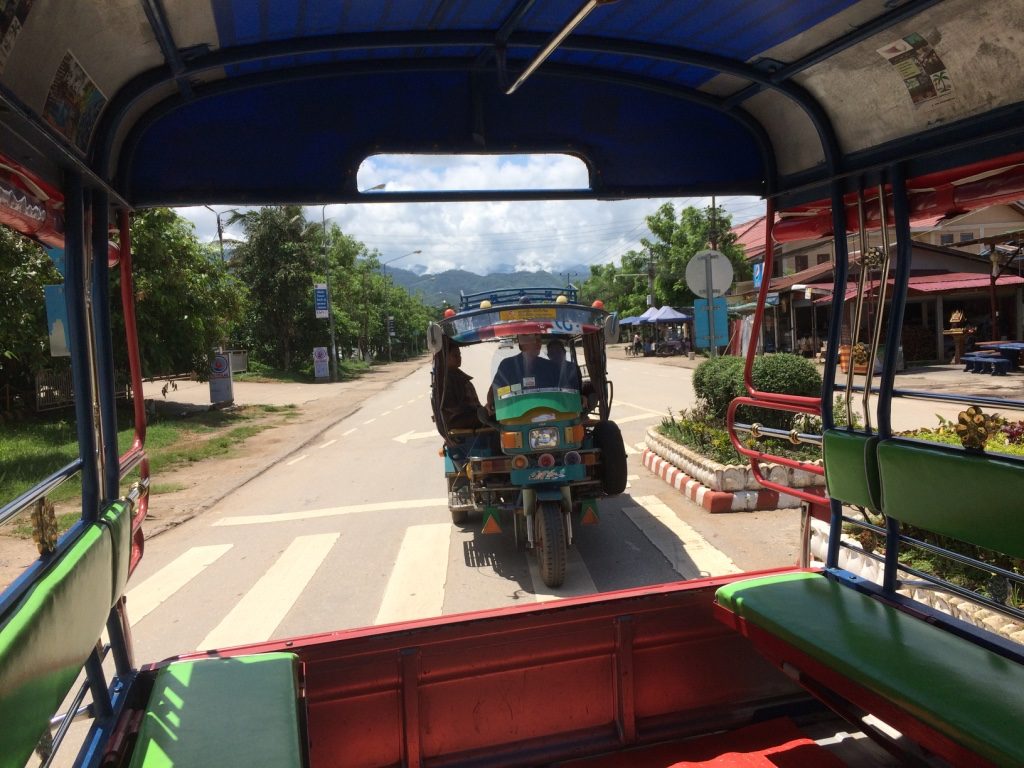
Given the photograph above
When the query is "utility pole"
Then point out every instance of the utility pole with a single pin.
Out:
(330, 311)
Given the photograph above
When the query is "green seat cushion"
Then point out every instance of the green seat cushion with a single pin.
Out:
(953, 685)
(47, 637)
(240, 711)
(969, 497)
(851, 468)
(118, 519)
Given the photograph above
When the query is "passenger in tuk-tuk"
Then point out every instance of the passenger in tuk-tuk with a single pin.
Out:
(527, 370)
(459, 402)
(568, 370)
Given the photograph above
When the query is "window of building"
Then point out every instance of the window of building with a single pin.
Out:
(965, 236)
(800, 262)
(823, 258)
(945, 239)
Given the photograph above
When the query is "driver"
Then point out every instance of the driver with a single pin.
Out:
(527, 370)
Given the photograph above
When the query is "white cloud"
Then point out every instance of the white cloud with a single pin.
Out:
(487, 237)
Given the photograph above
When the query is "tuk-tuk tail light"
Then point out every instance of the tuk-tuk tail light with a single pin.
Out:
(492, 466)
(589, 459)
(520, 462)
(574, 434)
(572, 458)
(546, 461)
(511, 439)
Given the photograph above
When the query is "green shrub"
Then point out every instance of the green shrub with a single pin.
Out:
(720, 379)
(717, 381)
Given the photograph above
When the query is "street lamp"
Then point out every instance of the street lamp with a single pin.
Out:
(330, 309)
(384, 270)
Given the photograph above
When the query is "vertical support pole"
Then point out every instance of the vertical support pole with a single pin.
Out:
(901, 215)
(80, 341)
(98, 683)
(109, 482)
(835, 328)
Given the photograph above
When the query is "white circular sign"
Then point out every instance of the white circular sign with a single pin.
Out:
(721, 273)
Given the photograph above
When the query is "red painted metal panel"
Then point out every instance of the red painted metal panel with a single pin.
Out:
(529, 685)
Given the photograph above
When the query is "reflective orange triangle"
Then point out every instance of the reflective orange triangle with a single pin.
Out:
(590, 517)
(491, 524)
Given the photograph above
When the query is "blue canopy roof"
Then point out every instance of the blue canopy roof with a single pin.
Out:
(668, 315)
(281, 101)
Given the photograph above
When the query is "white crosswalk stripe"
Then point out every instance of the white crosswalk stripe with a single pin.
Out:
(147, 595)
(417, 581)
(416, 587)
(690, 554)
(255, 617)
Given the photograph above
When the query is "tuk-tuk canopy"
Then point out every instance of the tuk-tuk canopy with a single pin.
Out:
(511, 312)
(195, 101)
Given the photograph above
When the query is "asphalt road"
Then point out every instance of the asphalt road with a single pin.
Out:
(340, 520)
(351, 528)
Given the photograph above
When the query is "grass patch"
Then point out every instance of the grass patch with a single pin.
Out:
(157, 488)
(32, 450)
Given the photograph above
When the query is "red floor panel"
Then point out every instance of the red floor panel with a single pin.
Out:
(772, 744)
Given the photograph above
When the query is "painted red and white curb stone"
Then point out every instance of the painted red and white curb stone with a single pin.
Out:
(716, 501)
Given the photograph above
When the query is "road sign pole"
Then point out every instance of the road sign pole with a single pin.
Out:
(713, 351)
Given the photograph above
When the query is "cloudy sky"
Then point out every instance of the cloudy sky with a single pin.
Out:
(491, 236)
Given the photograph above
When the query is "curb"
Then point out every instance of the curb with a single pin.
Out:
(712, 501)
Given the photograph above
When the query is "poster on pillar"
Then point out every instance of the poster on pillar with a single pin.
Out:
(720, 326)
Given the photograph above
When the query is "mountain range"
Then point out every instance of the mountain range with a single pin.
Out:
(437, 288)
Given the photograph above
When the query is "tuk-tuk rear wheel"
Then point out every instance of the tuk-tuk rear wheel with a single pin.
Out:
(550, 543)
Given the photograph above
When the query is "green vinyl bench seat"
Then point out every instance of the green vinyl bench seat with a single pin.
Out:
(48, 635)
(952, 685)
(229, 712)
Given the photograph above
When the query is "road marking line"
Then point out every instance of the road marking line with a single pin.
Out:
(410, 402)
(690, 554)
(370, 421)
(328, 443)
(255, 617)
(640, 417)
(638, 407)
(313, 514)
(295, 461)
(630, 451)
(397, 407)
(416, 587)
(346, 434)
(386, 413)
(147, 595)
(577, 579)
(632, 477)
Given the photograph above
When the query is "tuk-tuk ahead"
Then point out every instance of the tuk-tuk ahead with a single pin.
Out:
(543, 450)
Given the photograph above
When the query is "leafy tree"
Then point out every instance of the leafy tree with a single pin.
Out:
(24, 346)
(278, 263)
(677, 240)
(283, 256)
(185, 300)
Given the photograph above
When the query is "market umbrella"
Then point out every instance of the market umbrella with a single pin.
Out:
(668, 315)
(648, 316)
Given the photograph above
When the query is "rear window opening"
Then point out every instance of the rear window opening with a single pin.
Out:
(384, 173)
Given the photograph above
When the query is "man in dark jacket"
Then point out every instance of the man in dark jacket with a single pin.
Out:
(459, 402)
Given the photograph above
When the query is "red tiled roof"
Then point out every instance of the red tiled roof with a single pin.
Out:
(751, 235)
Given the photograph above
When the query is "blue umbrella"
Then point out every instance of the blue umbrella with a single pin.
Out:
(668, 315)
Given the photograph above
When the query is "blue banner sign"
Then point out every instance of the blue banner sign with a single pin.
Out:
(721, 322)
